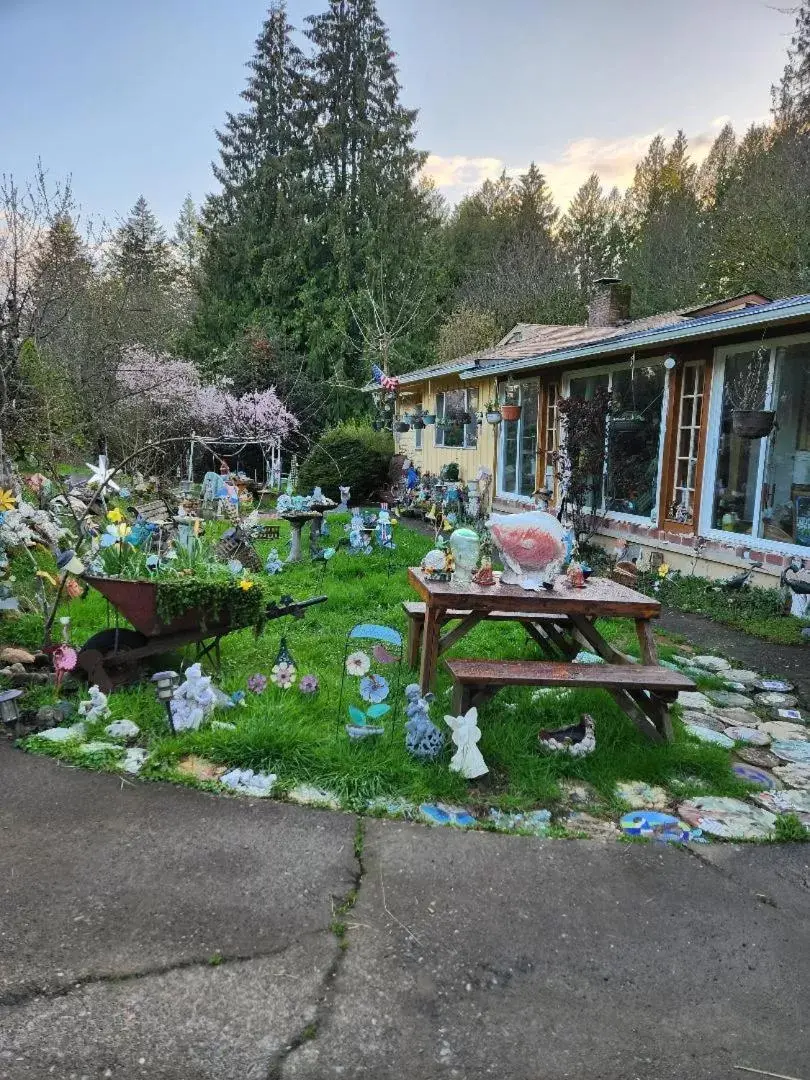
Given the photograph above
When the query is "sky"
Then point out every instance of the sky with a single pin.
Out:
(125, 96)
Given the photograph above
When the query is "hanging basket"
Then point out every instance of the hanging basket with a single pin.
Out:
(511, 412)
(494, 417)
(752, 424)
(418, 422)
(429, 418)
(401, 426)
(627, 422)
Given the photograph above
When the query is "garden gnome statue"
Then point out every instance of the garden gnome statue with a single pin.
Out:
(467, 759)
(343, 506)
(193, 701)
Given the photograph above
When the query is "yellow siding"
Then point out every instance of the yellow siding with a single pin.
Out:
(431, 458)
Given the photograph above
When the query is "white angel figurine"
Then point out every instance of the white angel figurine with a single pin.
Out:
(467, 759)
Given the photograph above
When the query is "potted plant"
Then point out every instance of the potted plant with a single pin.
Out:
(429, 418)
(466, 417)
(510, 409)
(510, 412)
(626, 421)
(745, 392)
(418, 421)
(493, 412)
(402, 426)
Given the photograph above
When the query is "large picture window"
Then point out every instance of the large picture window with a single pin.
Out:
(452, 426)
(518, 457)
(761, 486)
(629, 486)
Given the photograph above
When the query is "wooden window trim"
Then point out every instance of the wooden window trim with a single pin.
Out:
(671, 450)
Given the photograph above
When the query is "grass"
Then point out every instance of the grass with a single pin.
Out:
(759, 612)
(303, 739)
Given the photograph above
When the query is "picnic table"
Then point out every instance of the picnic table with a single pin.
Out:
(561, 621)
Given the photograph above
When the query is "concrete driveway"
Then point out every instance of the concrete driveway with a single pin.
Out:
(155, 932)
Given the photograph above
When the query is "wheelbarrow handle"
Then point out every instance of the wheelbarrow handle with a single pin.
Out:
(296, 608)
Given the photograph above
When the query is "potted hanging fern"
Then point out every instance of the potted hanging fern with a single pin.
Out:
(745, 392)
(493, 412)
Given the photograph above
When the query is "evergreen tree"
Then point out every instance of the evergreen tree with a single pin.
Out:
(590, 232)
(716, 171)
(140, 252)
(791, 99)
(187, 240)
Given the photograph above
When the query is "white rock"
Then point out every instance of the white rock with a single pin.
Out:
(744, 676)
(134, 759)
(780, 730)
(98, 746)
(62, 734)
(222, 725)
(795, 776)
(122, 729)
(248, 782)
(737, 717)
(711, 663)
(693, 699)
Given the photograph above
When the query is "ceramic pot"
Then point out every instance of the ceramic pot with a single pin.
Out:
(494, 417)
(511, 412)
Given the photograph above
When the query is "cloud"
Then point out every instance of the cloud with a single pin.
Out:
(614, 160)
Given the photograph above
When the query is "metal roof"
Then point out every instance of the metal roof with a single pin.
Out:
(679, 329)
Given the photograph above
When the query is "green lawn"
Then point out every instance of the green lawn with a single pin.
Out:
(303, 739)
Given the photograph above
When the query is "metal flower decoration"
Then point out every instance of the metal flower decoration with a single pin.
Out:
(374, 688)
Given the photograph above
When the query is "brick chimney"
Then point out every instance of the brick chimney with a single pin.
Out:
(610, 303)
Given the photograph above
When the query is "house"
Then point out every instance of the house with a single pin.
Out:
(708, 499)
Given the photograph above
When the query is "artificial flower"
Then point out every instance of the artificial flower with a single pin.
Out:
(7, 499)
(357, 663)
(238, 698)
(73, 589)
(283, 675)
(115, 515)
(373, 688)
(245, 584)
(257, 684)
(309, 684)
(663, 570)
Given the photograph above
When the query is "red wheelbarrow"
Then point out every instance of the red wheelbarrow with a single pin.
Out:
(113, 657)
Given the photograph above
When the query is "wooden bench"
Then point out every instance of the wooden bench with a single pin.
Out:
(643, 691)
(415, 613)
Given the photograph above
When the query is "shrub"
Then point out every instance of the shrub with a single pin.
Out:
(352, 454)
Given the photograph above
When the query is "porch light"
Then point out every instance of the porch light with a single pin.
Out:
(165, 683)
(670, 363)
(9, 710)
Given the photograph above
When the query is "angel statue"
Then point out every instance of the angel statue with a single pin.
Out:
(467, 759)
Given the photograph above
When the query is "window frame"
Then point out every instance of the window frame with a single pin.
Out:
(714, 418)
(609, 370)
(466, 443)
(502, 492)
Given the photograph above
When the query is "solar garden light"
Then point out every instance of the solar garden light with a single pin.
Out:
(9, 710)
(165, 682)
(68, 562)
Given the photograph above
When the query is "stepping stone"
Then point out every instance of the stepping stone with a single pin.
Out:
(702, 719)
(786, 802)
(593, 828)
(796, 716)
(752, 775)
(773, 700)
(441, 814)
(792, 750)
(711, 663)
(681, 660)
(794, 776)
(762, 759)
(738, 717)
(779, 686)
(752, 736)
(656, 826)
(585, 657)
(729, 819)
(781, 729)
(707, 735)
(743, 675)
(641, 796)
(693, 699)
(737, 687)
(728, 699)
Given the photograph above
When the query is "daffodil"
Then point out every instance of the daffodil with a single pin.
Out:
(245, 584)
(115, 515)
(663, 570)
(8, 500)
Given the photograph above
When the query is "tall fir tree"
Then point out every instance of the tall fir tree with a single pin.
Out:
(140, 252)
(591, 234)
(791, 98)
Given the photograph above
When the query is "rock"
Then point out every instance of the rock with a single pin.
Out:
(796, 716)
(738, 717)
(806, 632)
(200, 768)
(248, 782)
(751, 736)
(708, 735)
(49, 716)
(711, 663)
(795, 776)
(99, 746)
(641, 796)
(308, 795)
(727, 699)
(752, 755)
(795, 750)
(693, 699)
(743, 675)
(17, 669)
(442, 814)
(579, 793)
(32, 678)
(729, 819)
(10, 654)
(536, 822)
(779, 686)
(691, 716)
(122, 729)
(772, 700)
(134, 760)
(63, 734)
(737, 687)
(779, 730)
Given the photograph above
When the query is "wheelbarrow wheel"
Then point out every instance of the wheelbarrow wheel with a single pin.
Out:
(102, 647)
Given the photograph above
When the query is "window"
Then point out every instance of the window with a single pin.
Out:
(518, 457)
(417, 438)
(452, 429)
(761, 486)
(629, 485)
(687, 444)
(550, 443)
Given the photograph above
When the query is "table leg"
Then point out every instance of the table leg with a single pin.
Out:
(646, 639)
(594, 640)
(430, 647)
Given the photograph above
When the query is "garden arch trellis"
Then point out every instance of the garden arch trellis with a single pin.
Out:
(270, 450)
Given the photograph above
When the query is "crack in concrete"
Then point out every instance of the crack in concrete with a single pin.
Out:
(24, 995)
(322, 1003)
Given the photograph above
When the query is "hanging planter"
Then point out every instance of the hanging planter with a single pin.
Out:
(429, 418)
(626, 422)
(752, 423)
(418, 422)
(401, 426)
(493, 413)
(466, 418)
(511, 412)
